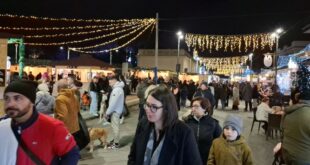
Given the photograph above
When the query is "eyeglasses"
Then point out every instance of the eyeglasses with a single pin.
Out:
(151, 107)
(195, 106)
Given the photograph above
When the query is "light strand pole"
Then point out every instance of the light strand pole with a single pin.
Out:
(156, 49)
(276, 35)
(251, 70)
(178, 67)
(68, 53)
(110, 57)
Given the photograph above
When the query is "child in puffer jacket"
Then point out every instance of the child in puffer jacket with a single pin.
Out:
(231, 147)
(45, 102)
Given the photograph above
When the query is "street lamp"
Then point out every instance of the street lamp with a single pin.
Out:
(111, 54)
(251, 59)
(180, 37)
(278, 32)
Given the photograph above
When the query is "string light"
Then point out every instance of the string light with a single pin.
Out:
(225, 65)
(110, 27)
(87, 39)
(66, 19)
(116, 48)
(230, 42)
(78, 33)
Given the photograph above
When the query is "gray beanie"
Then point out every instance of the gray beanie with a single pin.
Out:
(234, 121)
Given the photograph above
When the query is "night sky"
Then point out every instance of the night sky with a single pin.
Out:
(192, 16)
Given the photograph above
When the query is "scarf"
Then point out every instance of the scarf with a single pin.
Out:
(150, 159)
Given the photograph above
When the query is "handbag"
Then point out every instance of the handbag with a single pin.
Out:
(82, 136)
(29, 153)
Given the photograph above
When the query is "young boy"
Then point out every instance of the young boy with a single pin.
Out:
(230, 148)
(85, 101)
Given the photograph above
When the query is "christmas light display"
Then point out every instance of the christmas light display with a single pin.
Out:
(249, 42)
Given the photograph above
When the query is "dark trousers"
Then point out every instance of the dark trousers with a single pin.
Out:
(246, 105)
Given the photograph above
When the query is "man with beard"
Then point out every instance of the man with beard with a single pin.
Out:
(28, 137)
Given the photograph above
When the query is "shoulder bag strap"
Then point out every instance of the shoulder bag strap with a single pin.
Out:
(29, 153)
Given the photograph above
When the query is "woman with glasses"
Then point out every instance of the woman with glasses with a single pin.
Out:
(205, 127)
(160, 137)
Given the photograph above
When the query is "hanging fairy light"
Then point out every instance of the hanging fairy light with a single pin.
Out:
(82, 33)
(65, 19)
(87, 39)
(230, 42)
(80, 49)
(227, 65)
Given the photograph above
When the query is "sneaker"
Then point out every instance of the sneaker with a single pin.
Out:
(105, 123)
(114, 146)
(94, 114)
(122, 120)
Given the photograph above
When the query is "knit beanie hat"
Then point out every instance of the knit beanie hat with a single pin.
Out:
(24, 87)
(234, 121)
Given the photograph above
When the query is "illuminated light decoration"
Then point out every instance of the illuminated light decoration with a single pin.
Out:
(267, 60)
(116, 48)
(79, 33)
(116, 39)
(87, 39)
(227, 65)
(250, 42)
(64, 19)
(63, 28)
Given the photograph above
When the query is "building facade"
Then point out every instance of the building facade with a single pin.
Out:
(167, 60)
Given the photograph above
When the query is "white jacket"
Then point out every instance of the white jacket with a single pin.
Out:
(262, 111)
(116, 102)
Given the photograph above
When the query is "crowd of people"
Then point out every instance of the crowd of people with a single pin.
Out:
(42, 124)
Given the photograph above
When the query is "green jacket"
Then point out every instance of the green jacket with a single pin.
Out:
(296, 135)
(223, 152)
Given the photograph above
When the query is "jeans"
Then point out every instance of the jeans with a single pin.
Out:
(94, 103)
(115, 122)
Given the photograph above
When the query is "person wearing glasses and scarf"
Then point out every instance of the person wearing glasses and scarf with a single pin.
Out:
(205, 127)
(161, 138)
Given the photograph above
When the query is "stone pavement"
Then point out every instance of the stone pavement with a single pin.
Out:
(261, 149)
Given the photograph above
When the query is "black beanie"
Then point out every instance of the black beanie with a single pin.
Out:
(24, 87)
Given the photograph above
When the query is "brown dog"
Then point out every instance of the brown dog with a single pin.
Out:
(97, 133)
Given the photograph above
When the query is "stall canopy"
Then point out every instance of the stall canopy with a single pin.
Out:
(298, 57)
(83, 60)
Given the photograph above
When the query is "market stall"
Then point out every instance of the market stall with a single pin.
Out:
(83, 67)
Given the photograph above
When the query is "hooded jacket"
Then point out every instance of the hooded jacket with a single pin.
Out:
(45, 103)
(223, 152)
(116, 102)
(67, 108)
(296, 135)
(206, 129)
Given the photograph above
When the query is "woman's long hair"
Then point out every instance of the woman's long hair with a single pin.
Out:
(170, 109)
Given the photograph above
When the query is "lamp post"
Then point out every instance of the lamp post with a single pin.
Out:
(278, 32)
(111, 54)
(251, 60)
(110, 57)
(180, 37)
